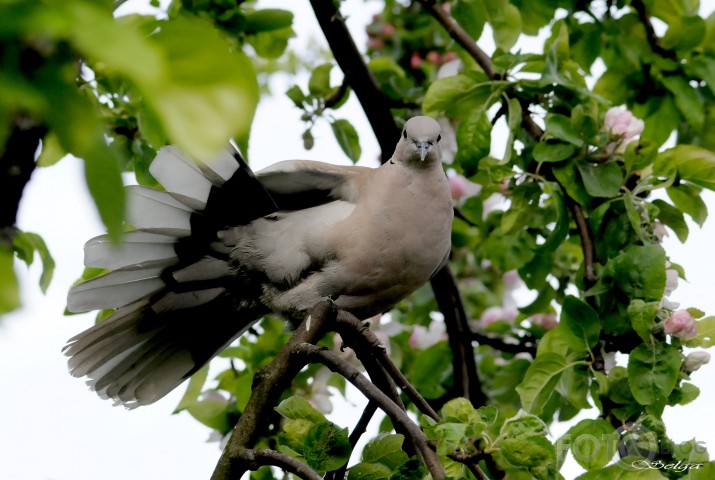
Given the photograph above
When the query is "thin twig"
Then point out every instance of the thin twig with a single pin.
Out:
(256, 458)
(268, 385)
(651, 36)
(398, 416)
(502, 346)
(335, 98)
(586, 242)
(357, 335)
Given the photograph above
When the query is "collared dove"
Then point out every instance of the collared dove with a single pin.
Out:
(222, 247)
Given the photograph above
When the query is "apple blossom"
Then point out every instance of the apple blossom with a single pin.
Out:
(671, 281)
(681, 324)
(424, 338)
(494, 314)
(544, 321)
(622, 123)
(461, 187)
(695, 360)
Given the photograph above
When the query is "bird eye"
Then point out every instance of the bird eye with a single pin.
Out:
(404, 134)
(439, 137)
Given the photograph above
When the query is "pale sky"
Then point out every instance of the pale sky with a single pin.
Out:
(53, 428)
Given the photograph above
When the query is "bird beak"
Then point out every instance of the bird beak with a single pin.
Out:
(423, 148)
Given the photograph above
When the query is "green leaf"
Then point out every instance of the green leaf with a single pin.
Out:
(687, 198)
(639, 155)
(326, 447)
(706, 334)
(546, 152)
(267, 19)
(593, 442)
(686, 99)
(319, 83)
(385, 449)
(509, 252)
(559, 126)
(581, 322)
(52, 151)
(471, 15)
(642, 316)
(685, 33)
(297, 408)
(273, 44)
(686, 393)
(673, 218)
(505, 20)
(197, 106)
(691, 163)
(540, 380)
(347, 138)
(460, 91)
(473, 140)
(427, 371)
(534, 453)
(369, 471)
(193, 389)
(25, 244)
(602, 180)
(639, 272)
(293, 434)
(297, 96)
(618, 472)
(523, 425)
(212, 411)
(9, 289)
(653, 372)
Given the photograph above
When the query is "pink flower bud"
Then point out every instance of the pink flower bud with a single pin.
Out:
(433, 57)
(449, 56)
(375, 44)
(681, 324)
(415, 60)
(388, 30)
(695, 360)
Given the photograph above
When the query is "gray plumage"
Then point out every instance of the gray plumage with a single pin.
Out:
(222, 247)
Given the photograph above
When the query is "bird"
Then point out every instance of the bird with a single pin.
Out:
(221, 246)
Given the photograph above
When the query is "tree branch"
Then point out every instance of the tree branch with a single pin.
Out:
(586, 243)
(17, 162)
(360, 338)
(466, 377)
(256, 459)
(398, 416)
(360, 78)
(268, 386)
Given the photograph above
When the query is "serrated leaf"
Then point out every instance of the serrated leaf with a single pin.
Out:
(212, 411)
(385, 449)
(593, 443)
(603, 180)
(639, 272)
(545, 152)
(295, 408)
(468, 91)
(642, 315)
(326, 447)
(505, 20)
(706, 334)
(559, 126)
(687, 198)
(540, 380)
(369, 471)
(686, 393)
(581, 322)
(523, 425)
(653, 372)
(347, 138)
(691, 163)
(535, 453)
(672, 218)
(473, 141)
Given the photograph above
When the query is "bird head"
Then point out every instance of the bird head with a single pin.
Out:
(420, 141)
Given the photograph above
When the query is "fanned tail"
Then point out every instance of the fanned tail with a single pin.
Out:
(178, 300)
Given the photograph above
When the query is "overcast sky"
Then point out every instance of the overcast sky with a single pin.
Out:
(53, 428)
